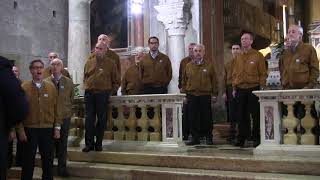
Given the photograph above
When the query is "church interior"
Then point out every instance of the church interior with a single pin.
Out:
(147, 144)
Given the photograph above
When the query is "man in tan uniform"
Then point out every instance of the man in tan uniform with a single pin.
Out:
(42, 124)
(299, 64)
(65, 89)
(131, 81)
(47, 71)
(100, 81)
(249, 74)
(183, 64)
(230, 100)
(155, 69)
(200, 84)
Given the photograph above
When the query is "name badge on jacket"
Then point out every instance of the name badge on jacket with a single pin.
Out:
(45, 95)
(298, 61)
(204, 70)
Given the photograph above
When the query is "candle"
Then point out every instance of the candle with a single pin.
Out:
(291, 11)
(284, 20)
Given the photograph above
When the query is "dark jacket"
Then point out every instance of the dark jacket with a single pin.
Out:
(13, 102)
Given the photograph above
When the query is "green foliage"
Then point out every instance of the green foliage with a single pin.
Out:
(280, 46)
(76, 90)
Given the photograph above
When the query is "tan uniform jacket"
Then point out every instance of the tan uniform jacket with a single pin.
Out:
(47, 72)
(200, 79)
(65, 90)
(101, 76)
(156, 72)
(43, 105)
(228, 70)
(249, 70)
(131, 82)
(182, 67)
(299, 69)
(115, 59)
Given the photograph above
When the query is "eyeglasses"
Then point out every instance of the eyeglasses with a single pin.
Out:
(52, 57)
(37, 67)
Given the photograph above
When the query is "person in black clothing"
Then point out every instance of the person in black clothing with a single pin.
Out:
(13, 108)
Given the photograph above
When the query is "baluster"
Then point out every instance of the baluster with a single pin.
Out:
(155, 123)
(289, 123)
(142, 125)
(308, 123)
(130, 125)
(79, 123)
(118, 123)
(108, 134)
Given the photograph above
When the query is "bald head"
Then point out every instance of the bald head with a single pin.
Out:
(295, 33)
(16, 71)
(52, 55)
(102, 38)
(56, 66)
(100, 49)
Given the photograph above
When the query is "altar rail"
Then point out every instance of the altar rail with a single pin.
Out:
(289, 122)
(156, 118)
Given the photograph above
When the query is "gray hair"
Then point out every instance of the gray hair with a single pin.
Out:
(199, 46)
(56, 60)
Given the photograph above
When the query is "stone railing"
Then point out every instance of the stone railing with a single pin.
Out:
(137, 118)
(289, 123)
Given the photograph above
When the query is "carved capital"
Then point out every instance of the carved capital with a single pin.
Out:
(175, 15)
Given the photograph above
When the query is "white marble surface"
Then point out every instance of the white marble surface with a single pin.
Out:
(78, 39)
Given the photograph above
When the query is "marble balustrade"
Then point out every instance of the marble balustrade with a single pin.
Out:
(289, 123)
(154, 118)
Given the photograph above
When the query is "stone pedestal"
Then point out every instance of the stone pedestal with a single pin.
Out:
(174, 14)
(78, 39)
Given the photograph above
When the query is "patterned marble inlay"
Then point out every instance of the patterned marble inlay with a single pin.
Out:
(269, 122)
(169, 122)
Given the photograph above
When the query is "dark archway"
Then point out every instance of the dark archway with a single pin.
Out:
(110, 18)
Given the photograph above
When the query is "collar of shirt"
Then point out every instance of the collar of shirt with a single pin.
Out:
(293, 48)
(56, 78)
(37, 84)
(198, 61)
(154, 54)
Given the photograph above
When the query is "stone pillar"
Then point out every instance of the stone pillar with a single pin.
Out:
(314, 26)
(174, 14)
(78, 39)
(138, 28)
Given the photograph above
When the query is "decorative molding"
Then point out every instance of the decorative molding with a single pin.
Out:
(289, 95)
(175, 15)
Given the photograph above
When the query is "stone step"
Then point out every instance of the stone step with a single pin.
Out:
(85, 170)
(217, 158)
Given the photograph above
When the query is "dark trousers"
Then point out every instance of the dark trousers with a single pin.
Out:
(232, 111)
(200, 116)
(96, 106)
(155, 90)
(185, 122)
(42, 138)
(62, 145)
(19, 151)
(3, 155)
(248, 105)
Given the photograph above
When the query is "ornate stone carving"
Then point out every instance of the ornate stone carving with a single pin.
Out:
(175, 15)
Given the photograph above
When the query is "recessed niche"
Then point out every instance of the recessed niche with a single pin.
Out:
(15, 4)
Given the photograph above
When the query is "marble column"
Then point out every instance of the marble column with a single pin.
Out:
(314, 26)
(78, 39)
(174, 14)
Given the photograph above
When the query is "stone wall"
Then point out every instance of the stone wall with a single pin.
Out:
(32, 28)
